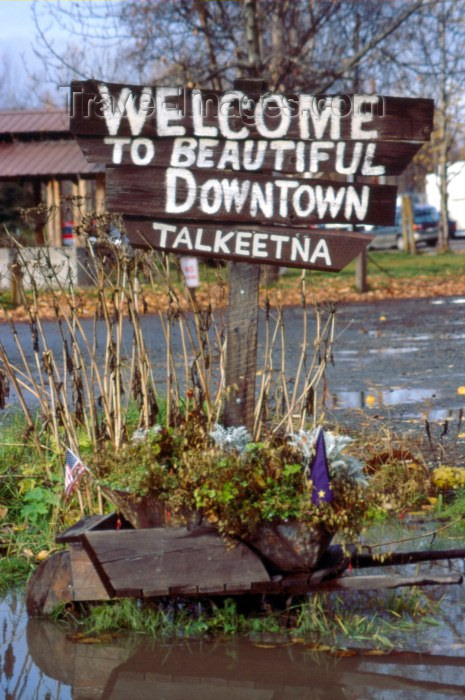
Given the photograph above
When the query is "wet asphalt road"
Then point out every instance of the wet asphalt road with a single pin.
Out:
(398, 358)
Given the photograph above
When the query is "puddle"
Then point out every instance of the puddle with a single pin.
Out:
(377, 398)
(39, 662)
(405, 349)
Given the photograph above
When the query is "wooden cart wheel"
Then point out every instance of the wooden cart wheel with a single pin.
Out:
(50, 584)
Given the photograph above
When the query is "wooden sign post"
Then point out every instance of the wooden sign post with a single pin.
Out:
(250, 177)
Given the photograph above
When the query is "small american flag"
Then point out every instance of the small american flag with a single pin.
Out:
(74, 470)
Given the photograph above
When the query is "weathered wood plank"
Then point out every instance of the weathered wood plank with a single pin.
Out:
(155, 560)
(178, 194)
(378, 117)
(90, 522)
(364, 560)
(87, 584)
(312, 249)
(343, 157)
(241, 345)
(384, 582)
(194, 688)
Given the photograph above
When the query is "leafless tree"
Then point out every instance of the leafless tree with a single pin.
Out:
(433, 63)
(311, 45)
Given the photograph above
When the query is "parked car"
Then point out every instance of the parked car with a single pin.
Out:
(425, 229)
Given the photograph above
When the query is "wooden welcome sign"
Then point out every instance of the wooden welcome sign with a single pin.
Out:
(250, 177)
(214, 174)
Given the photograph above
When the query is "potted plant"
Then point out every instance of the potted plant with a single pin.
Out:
(258, 492)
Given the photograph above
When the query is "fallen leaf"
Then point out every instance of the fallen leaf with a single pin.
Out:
(80, 638)
(28, 552)
(370, 400)
(318, 647)
(42, 555)
(265, 646)
(382, 318)
(461, 435)
(461, 390)
(375, 652)
(3, 512)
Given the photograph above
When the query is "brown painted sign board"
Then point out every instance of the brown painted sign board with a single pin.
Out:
(100, 109)
(340, 157)
(177, 193)
(308, 249)
(238, 163)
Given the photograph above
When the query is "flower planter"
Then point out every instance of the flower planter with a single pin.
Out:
(146, 511)
(290, 546)
(141, 512)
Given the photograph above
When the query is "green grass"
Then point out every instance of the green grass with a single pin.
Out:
(398, 265)
(332, 621)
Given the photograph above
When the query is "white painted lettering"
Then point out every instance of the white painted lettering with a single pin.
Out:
(317, 154)
(262, 201)
(165, 115)
(118, 143)
(249, 162)
(211, 197)
(368, 168)
(205, 153)
(221, 238)
(183, 153)
(300, 157)
(125, 104)
(146, 157)
(284, 186)
(361, 115)
(321, 251)
(230, 156)
(281, 110)
(279, 240)
(183, 239)
(356, 204)
(164, 229)
(200, 129)
(318, 112)
(171, 186)
(297, 200)
(259, 249)
(281, 147)
(236, 191)
(224, 114)
(198, 242)
(328, 197)
(297, 249)
(356, 157)
(321, 115)
(243, 242)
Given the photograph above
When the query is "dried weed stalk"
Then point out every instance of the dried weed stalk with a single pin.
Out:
(85, 387)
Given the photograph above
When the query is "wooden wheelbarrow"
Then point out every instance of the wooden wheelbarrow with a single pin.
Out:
(107, 558)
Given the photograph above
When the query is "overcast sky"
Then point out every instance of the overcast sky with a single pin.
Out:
(17, 37)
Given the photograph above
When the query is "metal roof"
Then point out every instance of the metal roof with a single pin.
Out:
(33, 121)
(57, 158)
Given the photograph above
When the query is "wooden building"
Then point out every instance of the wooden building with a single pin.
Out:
(36, 147)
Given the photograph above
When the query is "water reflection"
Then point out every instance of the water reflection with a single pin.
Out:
(377, 398)
(235, 670)
(39, 662)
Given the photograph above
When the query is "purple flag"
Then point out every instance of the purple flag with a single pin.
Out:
(319, 473)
